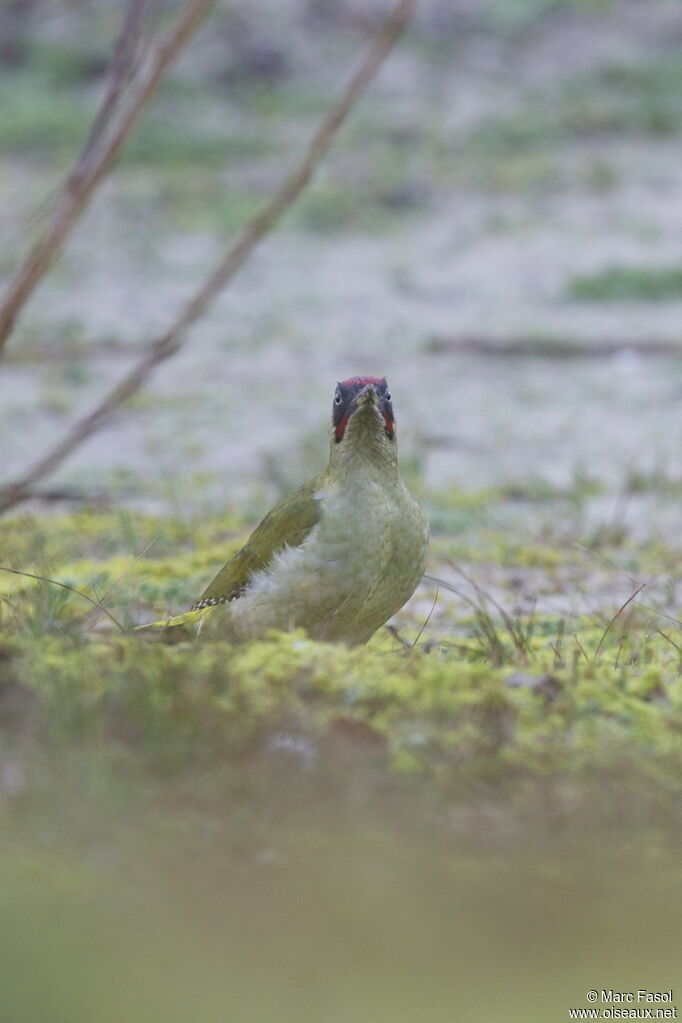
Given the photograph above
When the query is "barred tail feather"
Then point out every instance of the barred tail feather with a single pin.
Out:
(178, 629)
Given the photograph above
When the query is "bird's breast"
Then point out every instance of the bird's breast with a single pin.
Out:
(358, 565)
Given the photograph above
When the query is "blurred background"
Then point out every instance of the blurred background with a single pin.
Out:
(498, 230)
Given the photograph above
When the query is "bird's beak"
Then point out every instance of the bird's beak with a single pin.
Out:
(367, 396)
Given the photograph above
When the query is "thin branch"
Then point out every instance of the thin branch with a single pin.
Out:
(169, 342)
(121, 72)
(81, 184)
(64, 586)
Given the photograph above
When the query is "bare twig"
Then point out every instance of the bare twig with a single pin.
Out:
(169, 342)
(64, 586)
(92, 167)
(561, 348)
(121, 72)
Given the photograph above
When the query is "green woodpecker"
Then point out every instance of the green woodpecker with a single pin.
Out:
(337, 557)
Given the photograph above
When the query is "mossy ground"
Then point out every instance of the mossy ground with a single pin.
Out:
(478, 689)
(209, 809)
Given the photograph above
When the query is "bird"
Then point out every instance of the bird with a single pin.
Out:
(338, 556)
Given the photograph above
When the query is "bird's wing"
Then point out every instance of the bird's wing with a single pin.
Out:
(287, 525)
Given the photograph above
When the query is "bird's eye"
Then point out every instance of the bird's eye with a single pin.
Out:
(337, 398)
(387, 396)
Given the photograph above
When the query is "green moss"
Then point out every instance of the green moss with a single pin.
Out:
(493, 696)
(442, 713)
(628, 284)
(46, 114)
(620, 99)
(62, 65)
(503, 743)
(520, 15)
(37, 120)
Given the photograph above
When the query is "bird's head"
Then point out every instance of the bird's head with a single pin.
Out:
(362, 420)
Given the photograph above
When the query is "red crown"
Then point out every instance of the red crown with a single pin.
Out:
(362, 381)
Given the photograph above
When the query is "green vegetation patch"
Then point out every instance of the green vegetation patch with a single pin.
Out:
(493, 695)
(47, 109)
(39, 121)
(621, 99)
(205, 809)
(450, 712)
(628, 284)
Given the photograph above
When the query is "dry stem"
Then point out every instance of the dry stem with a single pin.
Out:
(94, 162)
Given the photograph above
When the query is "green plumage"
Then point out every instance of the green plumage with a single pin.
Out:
(337, 557)
(287, 525)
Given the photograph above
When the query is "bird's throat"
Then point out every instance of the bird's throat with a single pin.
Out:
(365, 445)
